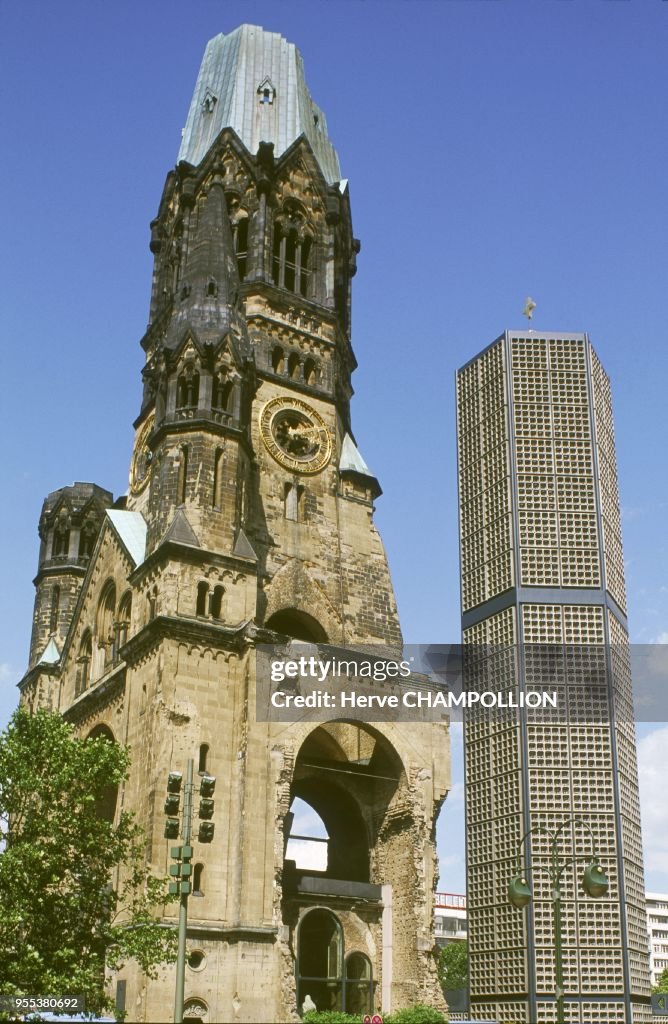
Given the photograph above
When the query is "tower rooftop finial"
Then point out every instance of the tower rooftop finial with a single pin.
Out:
(253, 81)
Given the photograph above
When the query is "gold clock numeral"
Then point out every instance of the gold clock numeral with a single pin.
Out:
(140, 466)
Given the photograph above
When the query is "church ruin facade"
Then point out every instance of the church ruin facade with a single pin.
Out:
(249, 520)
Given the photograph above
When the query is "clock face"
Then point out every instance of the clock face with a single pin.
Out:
(295, 435)
(140, 467)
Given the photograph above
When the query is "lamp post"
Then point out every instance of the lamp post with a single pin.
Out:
(594, 882)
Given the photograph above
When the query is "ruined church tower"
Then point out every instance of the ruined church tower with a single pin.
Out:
(248, 520)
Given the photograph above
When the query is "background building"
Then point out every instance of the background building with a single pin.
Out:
(450, 918)
(249, 519)
(657, 926)
(543, 602)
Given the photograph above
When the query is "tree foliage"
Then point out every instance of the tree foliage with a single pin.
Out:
(662, 982)
(453, 965)
(418, 1014)
(64, 913)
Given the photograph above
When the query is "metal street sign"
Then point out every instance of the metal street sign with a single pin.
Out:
(660, 1004)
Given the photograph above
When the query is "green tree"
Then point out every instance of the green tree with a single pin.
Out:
(63, 915)
(453, 965)
(662, 982)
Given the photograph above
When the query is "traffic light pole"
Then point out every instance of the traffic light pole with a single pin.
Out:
(186, 836)
(181, 871)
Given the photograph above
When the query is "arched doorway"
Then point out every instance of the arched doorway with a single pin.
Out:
(346, 775)
(320, 961)
(327, 979)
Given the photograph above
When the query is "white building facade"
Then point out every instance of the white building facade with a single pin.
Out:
(657, 926)
(450, 918)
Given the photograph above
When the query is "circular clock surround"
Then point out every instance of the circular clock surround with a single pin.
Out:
(140, 466)
(295, 435)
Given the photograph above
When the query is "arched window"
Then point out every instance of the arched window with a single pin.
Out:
(358, 994)
(310, 367)
(292, 250)
(290, 261)
(198, 874)
(240, 236)
(266, 91)
(87, 540)
(239, 227)
(216, 497)
(320, 960)
(304, 268)
(61, 540)
(197, 959)
(202, 593)
(278, 360)
(306, 838)
(277, 257)
(83, 663)
(182, 481)
(105, 805)
(294, 366)
(124, 615)
(293, 502)
(55, 608)
(221, 391)
(217, 602)
(106, 615)
(203, 759)
(187, 389)
(195, 1010)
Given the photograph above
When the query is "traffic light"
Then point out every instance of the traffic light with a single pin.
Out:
(181, 871)
(206, 806)
(207, 785)
(172, 828)
(206, 831)
(172, 805)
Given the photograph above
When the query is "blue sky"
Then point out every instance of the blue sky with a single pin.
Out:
(494, 151)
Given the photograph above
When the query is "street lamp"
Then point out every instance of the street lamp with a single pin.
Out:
(594, 882)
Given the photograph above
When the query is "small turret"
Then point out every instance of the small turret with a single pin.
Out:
(68, 528)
